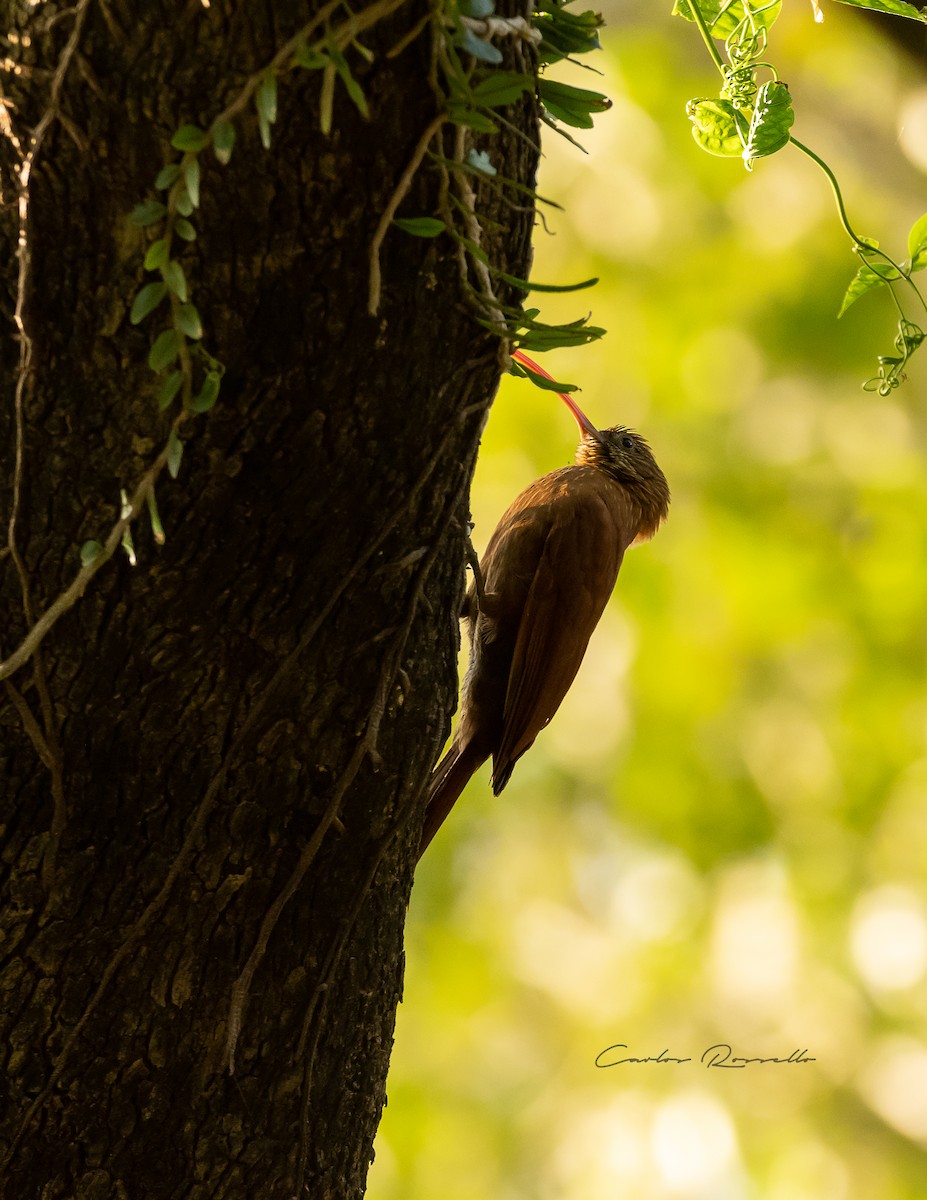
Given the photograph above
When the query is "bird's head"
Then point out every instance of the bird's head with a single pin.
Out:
(626, 457)
(621, 454)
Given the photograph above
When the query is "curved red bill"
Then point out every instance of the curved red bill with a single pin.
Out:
(586, 427)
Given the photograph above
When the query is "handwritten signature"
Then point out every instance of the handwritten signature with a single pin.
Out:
(720, 1055)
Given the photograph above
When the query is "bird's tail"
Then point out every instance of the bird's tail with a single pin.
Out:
(448, 780)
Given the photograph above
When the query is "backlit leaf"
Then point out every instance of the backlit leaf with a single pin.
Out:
(147, 301)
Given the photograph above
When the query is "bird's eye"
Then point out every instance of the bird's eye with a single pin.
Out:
(628, 443)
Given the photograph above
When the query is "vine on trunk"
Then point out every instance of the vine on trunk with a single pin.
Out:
(471, 94)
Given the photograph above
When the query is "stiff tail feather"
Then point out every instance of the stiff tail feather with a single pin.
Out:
(448, 780)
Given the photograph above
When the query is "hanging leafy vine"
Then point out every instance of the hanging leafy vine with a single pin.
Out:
(472, 91)
(751, 120)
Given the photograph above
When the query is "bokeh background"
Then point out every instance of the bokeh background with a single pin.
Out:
(722, 837)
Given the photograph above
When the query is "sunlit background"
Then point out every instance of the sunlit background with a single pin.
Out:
(722, 838)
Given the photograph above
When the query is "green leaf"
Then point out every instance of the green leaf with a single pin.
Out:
(722, 17)
(174, 453)
(772, 120)
(89, 551)
(352, 87)
(147, 213)
(501, 87)
(572, 105)
(265, 101)
(309, 59)
(184, 202)
(718, 127)
(528, 286)
(154, 516)
(327, 99)
(208, 394)
(424, 227)
(477, 121)
(189, 138)
(165, 349)
(865, 279)
(169, 388)
(184, 229)
(191, 178)
(156, 255)
(147, 301)
(541, 381)
(266, 98)
(546, 337)
(917, 244)
(166, 176)
(485, 51)
(898, 8)
(188, 321)
(563, 33)
(223, 140)
(175, 279)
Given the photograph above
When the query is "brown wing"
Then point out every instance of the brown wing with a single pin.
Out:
(574, 577)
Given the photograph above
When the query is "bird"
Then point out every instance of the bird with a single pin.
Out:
(546, 576)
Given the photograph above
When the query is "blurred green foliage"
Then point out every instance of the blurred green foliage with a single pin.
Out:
(722, 837)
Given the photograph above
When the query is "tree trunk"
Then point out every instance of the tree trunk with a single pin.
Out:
(210, 771)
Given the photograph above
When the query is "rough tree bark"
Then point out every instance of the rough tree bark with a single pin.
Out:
(210, 773)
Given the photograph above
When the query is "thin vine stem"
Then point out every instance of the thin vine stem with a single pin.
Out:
(861, 245)
(835, 187)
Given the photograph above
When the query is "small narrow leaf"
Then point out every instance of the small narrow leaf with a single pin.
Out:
(169, 388)
(89, 551)
(174, 453)
(184, 229)
(156, 255)
(541, 381)
(223, 140)
(501, 87)
(148, 212)
(191, 177)
(572, 105)
(188, 322)
(265, 101)
(189, 138)
(424, 227)
(175, 279)
(147, 301)
(472, 119)
(165, 349)
(352, 87)
(528, 286)
(326, 99)
(166, 176)
(155, 517)
(266, 98)
(208, 394)
(184, 202)
(309, 59)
